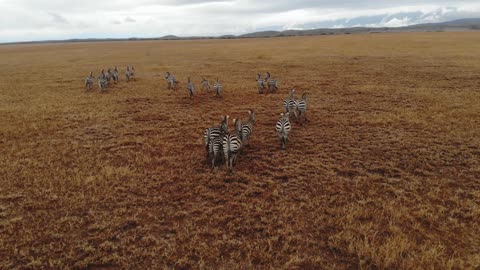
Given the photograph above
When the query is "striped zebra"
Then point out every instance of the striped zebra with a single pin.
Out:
(190, 87)
(271, 83)
(115, 74)
(217, 87)
(171, 80)
(301, 108)
(232, 145)
(89, 82)
(127, 73)
(289, 104)
(260, 84)
(205, 84)
(283, 128)
(108, 75)
(215, 149)
(247, 128)
(215, 132)
(132, 73)
(102, 81)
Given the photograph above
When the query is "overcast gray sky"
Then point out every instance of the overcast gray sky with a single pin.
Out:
(23, 20)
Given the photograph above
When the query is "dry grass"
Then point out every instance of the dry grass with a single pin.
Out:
(385, 174)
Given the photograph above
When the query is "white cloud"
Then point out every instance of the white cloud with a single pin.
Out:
(61, 19)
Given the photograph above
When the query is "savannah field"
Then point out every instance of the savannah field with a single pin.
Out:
(384, 175)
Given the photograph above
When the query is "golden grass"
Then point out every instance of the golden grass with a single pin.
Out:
(385, 174)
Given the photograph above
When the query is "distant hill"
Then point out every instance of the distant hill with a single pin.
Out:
(472, 24)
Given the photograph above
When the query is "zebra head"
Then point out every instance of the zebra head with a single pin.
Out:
(238, 125)
(251, 114)
(91, 75)
(292, 93)
(116, 69)
(259, 77)
(128, 68)
(224, 123)
(267, 76)
(167, 74)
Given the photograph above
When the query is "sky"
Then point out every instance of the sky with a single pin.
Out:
(27, 20)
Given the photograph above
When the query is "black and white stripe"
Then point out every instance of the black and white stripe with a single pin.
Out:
(260, 84)
(217, 87)
(247, 128)
(190, 87)
(271, 83)
(215, 149)
(232, 145)
(205, 84)
(301, 108)
(171, 81)
(283, 129)
(289, 104)
(127, 74)
(89, 82)
(215, 132)
(102, 81)
(108, 75)
(115, 75)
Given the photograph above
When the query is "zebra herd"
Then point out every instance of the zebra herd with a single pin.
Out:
(221, 144)
(104, 78)
(172, 84)
(291, 105)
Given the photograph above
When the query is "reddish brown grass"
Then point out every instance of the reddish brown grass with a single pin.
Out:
(385, 174)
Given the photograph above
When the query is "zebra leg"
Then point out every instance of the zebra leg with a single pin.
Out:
(213, 161)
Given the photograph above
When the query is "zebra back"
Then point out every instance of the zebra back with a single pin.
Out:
(283, 126)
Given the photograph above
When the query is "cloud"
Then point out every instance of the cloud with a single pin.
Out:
(129, 20)
(57, 18)
(61, 19)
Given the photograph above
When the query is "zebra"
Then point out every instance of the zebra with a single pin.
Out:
(289, 103)
(215, 132)
(247, 128)
(205, 84)
(301, 107)
(232, 144)
(215, 148)
(260, 84)
(171, 80)
(127, 73)
(108, 75)
(190, 87)
(132, 73)
(271, 83)
(115, 75)
(283, 128)
(89, 82)
(102, 81)
(217, 87)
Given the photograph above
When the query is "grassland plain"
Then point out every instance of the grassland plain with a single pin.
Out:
(384, 175)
